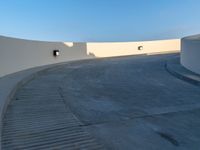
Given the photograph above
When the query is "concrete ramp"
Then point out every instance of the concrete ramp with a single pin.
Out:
(123, 103)
(37, 118)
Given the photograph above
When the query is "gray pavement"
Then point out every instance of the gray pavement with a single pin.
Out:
(120, 103)
(173, 66)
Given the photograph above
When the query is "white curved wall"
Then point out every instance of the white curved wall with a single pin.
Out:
(131, 48)
(18, 54)
(190, 53)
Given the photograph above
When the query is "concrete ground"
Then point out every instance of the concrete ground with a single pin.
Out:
(125, 103)
(173, 66)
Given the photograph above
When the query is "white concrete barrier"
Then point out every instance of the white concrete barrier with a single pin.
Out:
(190, 53)
(18, 54)
(131, 48)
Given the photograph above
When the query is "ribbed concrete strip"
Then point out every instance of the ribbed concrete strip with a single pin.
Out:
(37, 118)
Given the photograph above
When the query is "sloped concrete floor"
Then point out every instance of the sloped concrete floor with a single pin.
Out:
(130, 103)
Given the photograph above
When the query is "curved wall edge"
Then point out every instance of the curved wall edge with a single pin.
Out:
(190, 53)
(18, 54)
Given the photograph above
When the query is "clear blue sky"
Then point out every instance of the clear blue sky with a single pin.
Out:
(99, 20)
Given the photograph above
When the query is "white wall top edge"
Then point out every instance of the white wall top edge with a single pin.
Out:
(14, 38)
(193, 37)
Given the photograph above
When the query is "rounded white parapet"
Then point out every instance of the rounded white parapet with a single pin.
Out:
(190, 53)
(17, 54)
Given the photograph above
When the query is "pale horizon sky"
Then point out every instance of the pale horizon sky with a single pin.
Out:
(99, 20)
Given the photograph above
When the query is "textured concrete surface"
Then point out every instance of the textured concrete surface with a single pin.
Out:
(37, 118)
(10, 83)
(119, 103)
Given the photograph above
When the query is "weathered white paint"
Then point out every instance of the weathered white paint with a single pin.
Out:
(190, 53)
(18, 54)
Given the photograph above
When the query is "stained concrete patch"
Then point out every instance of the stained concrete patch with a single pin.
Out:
(169, 138)
(130, 135)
